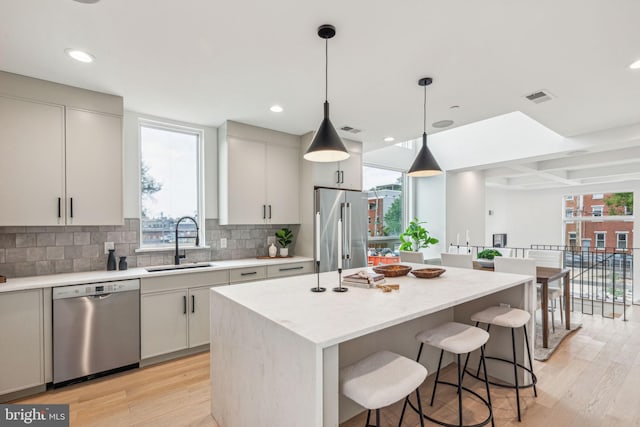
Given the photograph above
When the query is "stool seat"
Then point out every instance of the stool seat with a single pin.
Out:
(502, 316)
(381, 379)
(454, 337)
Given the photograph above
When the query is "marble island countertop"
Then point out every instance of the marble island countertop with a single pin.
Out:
(329, 317)
(35, 282)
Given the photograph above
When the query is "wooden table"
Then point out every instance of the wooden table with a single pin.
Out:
(544, 275)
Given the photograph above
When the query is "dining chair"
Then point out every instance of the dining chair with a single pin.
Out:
(551, 259)
(409, 256)
(459, 249)
(457, 260)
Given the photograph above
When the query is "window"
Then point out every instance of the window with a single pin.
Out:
(621, 240)
(597, 196)
(568, 212)
(597, 210)
(385, 193)
(573, 238)
(170, 183)
(600, 239)
(569, 198)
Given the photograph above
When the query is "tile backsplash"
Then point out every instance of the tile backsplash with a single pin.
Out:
(34, 251)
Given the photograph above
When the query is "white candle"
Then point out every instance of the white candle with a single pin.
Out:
(468, 239)
(458, 240)
(340, 243)
(318, 236)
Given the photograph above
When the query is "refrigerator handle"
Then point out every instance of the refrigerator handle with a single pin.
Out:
(348, 235)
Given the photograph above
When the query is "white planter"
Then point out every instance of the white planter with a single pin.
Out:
(284, 251)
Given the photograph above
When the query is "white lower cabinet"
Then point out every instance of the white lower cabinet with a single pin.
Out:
(22, 340)
(174, 311)
(291, 269)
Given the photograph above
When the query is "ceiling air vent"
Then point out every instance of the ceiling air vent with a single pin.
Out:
(539, 96)
(350, 129)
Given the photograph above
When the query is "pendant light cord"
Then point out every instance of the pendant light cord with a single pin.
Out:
(326, 70)
(424, 123)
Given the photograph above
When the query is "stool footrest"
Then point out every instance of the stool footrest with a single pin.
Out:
(442, 423)
(534, 379)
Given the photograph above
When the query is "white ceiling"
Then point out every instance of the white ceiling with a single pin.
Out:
(207, 61)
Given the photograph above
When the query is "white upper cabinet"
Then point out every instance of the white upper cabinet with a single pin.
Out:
(346, 174)
(62, 152)
(259, 179)
(32, 172)
(94, 168)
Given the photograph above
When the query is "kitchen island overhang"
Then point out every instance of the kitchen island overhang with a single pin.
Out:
(276, 348)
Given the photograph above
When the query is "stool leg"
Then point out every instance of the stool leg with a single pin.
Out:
(435, 384)
(377, 417)
(466, 361)
(419, 407)
(486, 383)
(368, 417)
(484, 346)
(404, 407)
(419, 352)
(459, 393)
(515, 369)
(526, 341)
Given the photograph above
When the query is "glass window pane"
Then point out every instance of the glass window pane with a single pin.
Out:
(169, 184)
(385, 201)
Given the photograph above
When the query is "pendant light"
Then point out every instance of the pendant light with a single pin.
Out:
(326, 145)
(424, 164)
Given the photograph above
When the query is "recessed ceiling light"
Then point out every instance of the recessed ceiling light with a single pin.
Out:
(442, 124)
(635, 65)
(276, 109)
(79, 55)
(389, 139)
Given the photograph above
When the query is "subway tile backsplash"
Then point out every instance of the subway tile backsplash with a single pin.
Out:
(34, 251)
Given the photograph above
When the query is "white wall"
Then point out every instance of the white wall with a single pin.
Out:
(429, 205)
(465, 201)
(132, 164)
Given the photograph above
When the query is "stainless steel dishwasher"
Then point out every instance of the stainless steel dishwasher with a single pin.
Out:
(96, 329)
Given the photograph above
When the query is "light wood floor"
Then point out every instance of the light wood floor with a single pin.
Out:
(592, 380)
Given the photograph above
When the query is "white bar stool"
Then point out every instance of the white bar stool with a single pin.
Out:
(512, 318)
(381, 379)
(456, 338)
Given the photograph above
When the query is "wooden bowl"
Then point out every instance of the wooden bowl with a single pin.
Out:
(392, 270)
(428, 273)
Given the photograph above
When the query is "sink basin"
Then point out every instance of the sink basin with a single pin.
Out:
(179, 267)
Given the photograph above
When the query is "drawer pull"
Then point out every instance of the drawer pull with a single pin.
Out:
(251, 273)
(300, 267)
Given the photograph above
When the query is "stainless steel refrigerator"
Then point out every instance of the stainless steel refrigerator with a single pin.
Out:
(352, 207)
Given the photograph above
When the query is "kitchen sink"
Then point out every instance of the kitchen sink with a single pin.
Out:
(178, 267)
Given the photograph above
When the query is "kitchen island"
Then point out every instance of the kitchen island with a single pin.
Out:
(276, 347)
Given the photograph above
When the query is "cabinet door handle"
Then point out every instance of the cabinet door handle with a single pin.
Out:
(269, 211)
(193, 303)
(264, 211)
(292, 268)
(251, 273)
(184, 304)
(341, 177)
(59, 207)
(71, 207)
(337, 177)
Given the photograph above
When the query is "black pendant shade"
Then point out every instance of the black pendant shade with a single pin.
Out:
(424, 164)
(327, 146)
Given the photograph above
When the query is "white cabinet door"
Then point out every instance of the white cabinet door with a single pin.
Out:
(246, 182)
(199, 316)
(163, 323)
(32, 172)
(21, 348)
(351, 172)
(283, 184)
(94, 168)
(326, 174)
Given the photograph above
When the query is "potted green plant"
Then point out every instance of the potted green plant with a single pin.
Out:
(416, 237)
(485, 258)
(284, 237)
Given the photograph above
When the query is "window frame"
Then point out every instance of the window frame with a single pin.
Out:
(596, 240)
(600, 208)
(405, 203)
(626, 239)
(201, 218)
(574, 238)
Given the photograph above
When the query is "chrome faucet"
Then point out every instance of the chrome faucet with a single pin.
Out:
(184, 255)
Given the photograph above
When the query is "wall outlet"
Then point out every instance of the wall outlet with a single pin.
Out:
(271, 239)
(223, 243)
(107, 246)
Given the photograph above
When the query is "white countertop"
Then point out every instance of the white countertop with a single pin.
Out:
(329, 317)
(35, 282)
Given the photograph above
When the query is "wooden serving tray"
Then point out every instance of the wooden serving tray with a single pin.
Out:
(277, 256)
